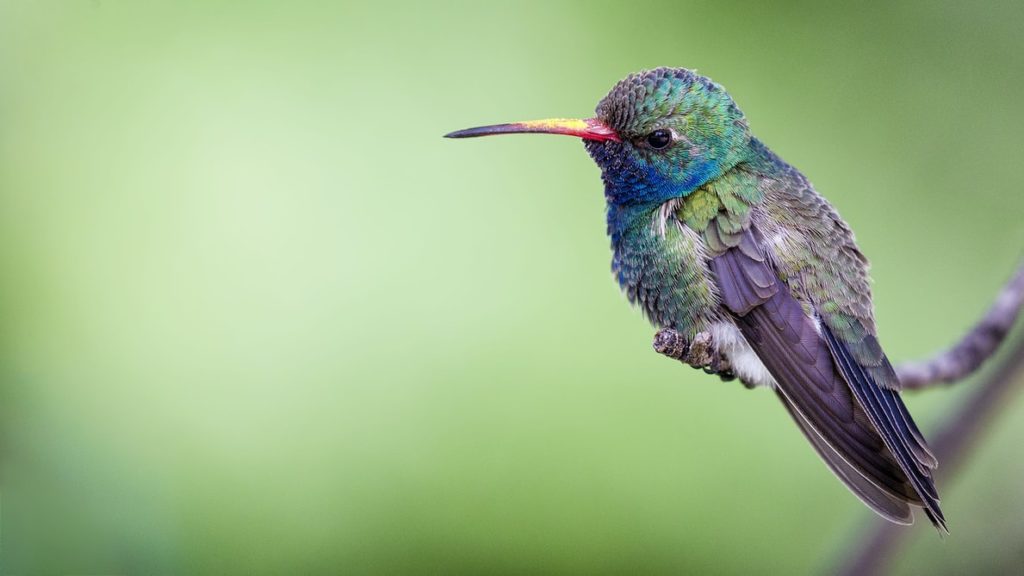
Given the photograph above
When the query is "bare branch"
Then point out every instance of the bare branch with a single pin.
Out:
(974, 348)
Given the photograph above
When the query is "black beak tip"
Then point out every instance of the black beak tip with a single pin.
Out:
(458, 134)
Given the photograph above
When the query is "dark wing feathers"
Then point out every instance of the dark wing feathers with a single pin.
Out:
(887, 412)
(744, 283)
(861, 429)
(865, 355)
(889, 506)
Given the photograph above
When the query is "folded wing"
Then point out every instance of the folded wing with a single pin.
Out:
(862, 430)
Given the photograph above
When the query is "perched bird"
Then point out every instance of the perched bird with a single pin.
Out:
(718, 239)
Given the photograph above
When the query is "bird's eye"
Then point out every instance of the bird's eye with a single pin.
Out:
(659, 139)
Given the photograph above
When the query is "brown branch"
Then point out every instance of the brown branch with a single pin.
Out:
(974, 348)
(951, 445)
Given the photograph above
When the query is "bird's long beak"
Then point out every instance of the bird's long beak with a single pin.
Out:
(589, 129)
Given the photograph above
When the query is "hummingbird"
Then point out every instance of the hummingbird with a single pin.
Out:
(717, 239)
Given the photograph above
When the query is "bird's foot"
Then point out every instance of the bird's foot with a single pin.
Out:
(698, 352)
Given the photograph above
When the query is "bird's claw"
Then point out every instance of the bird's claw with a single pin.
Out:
(698, 352)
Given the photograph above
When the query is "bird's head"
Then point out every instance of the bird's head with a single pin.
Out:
(658, 134)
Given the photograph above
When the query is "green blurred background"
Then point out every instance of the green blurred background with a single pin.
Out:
(259, 317)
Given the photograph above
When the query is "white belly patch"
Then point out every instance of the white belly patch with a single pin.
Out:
(745, 364)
